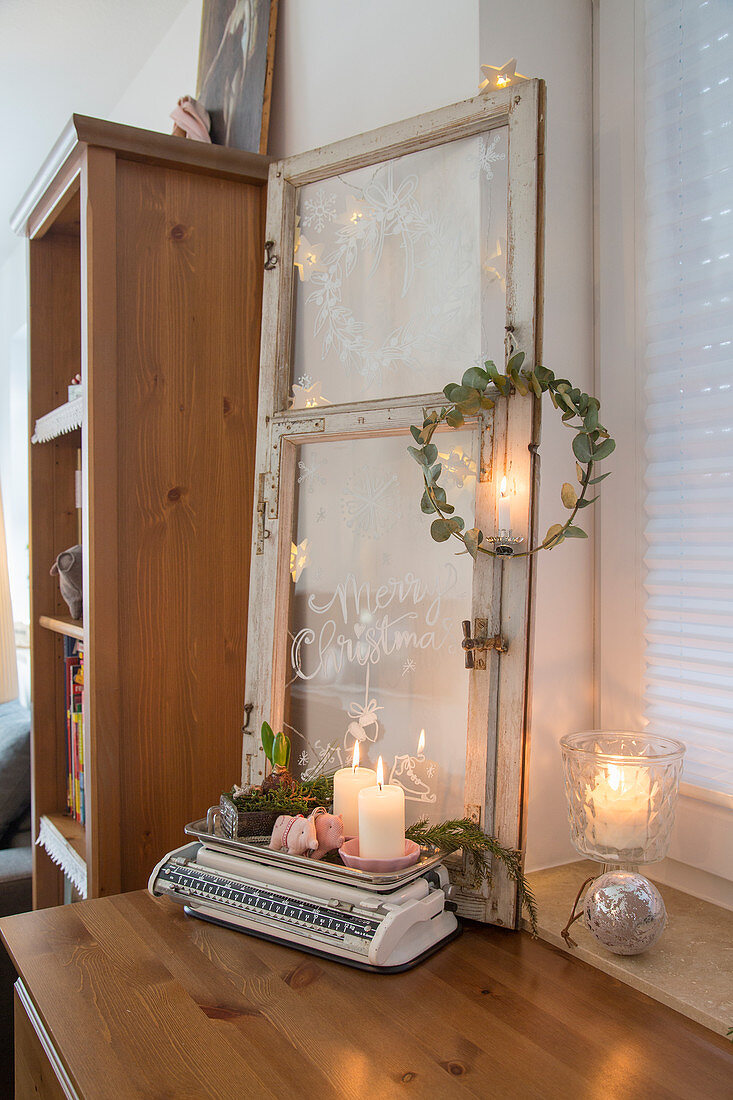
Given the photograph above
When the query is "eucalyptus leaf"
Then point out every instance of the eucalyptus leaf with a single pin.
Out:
(472, 539)
(418, 455)
(595, 480)
(442, 529)
(519, 383)
(580, 472)
(439, 530)
(535, 383)
(581, 448)
(430, 452)
(603, 450)
(426, 504)
(455, 418)
(575, 533)
(568, 495)
(450, 389)
(471, 404)
(588, 501)
(516, 361)
(416, 433)
(475, 378)
(552, 535)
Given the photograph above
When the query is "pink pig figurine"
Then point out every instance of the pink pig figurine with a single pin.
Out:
(295, 835)
(329, 831)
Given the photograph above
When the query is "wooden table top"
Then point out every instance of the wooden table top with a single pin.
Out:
(142, 1001)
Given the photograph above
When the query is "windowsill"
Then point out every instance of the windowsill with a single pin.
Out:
(690, 968)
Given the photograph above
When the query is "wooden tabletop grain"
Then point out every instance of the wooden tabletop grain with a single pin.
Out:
(142, 1001)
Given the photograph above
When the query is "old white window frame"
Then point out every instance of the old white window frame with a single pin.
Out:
(497, 721)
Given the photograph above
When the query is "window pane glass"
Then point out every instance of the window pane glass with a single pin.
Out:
(375, 623)
(400, 273)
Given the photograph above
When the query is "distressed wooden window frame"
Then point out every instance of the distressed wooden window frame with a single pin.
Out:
(498, 708)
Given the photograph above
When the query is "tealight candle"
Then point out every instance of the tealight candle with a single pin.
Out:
(347, 782)
(620, 807)
(381, 819)
(505, 508)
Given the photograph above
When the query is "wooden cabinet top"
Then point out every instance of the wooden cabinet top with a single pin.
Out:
(140, 1000)
(132, 143)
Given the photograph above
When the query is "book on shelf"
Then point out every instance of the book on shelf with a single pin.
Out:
(74, 696)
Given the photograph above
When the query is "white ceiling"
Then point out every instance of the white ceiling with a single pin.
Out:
(59, 57)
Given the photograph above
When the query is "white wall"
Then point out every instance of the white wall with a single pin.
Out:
(169, 73)
(342, 68)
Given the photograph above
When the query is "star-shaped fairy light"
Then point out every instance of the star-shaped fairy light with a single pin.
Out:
(307, 258)
(495, 266)
(496, 79)
(298, 558)
(307, 395)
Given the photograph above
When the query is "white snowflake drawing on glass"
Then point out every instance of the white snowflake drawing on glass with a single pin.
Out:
(488, 156)
(310, 476)
(319, 210)
(371, 503)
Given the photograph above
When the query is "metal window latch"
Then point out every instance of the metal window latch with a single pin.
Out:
(248, 708)
(270, 259)
(475, 648)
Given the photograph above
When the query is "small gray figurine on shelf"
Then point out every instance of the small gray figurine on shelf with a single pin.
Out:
(68, 569)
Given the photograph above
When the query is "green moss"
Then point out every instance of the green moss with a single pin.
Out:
(299, 799)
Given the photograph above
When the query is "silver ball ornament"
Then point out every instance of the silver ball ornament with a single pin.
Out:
(625, 912)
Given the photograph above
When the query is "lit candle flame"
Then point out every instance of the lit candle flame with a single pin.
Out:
(502, 487)
(615, 777)
(421, 742)
(380, 773)
(355, 759)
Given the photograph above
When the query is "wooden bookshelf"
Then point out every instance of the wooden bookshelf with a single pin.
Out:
(63, 624)
(146, 260)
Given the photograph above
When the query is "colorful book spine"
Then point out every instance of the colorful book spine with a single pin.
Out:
(74, 695)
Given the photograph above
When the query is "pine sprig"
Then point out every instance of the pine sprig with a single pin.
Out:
(480, 849)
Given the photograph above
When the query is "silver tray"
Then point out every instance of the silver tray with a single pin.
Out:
(208, 831)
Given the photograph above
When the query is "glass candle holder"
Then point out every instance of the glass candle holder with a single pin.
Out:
(621, 790)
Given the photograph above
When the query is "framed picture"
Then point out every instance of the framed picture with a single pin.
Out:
(236, 56)
(404, 256)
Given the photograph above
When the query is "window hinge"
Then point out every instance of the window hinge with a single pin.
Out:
(262, 531)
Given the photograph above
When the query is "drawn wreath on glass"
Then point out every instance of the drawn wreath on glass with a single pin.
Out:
(591, 444)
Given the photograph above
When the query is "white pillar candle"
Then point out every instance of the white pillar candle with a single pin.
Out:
(381, 819)
(505, 511)
(620, 807)
(347, 782)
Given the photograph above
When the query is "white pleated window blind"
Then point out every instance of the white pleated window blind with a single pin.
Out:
(688, 291)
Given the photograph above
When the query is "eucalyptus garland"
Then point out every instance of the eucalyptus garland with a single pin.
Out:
(591, 444)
